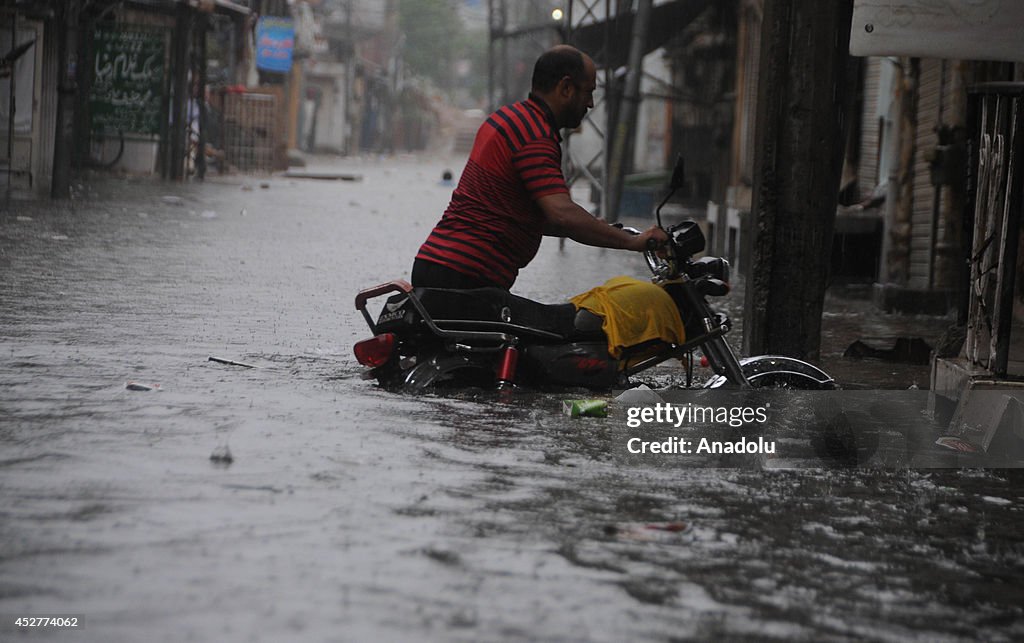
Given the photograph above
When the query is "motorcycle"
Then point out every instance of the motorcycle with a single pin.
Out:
(426, 337)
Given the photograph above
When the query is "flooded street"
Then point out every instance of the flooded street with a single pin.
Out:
(349, 513)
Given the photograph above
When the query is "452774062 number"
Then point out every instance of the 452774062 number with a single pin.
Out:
(46, 621)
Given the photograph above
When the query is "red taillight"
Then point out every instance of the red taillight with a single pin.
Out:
(376, 351)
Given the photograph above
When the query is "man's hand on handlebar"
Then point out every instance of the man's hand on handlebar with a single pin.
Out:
(653, 238)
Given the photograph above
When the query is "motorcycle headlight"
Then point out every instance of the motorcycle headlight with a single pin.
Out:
(713, 267)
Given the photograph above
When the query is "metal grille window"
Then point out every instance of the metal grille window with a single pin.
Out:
(996, 114)
(250, 122)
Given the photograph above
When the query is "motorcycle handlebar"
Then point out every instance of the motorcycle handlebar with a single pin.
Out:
(654, 262)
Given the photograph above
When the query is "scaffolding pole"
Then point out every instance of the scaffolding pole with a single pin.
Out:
(621, 144)
(579, 164)
(593, 170)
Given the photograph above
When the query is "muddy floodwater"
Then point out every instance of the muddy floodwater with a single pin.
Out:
(348, 513)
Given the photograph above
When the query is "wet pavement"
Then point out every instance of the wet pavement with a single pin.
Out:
(350, 513)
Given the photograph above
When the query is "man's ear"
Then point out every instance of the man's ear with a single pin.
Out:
(565, 87)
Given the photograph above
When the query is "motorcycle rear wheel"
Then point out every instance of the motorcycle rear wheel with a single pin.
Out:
(439, 370)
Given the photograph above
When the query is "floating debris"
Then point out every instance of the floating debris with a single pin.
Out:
(222, 456)
(650, 531)
(585, 408)
(905, 350)
(443, 556)
(956, 444)
(231, 362)
(323, 176)
(173, 200)
(996, 500)
(641, 395)
(139, 386)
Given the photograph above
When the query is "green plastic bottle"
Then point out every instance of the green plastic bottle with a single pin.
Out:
(585, 408)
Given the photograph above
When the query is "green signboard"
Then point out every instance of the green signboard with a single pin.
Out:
(128, 79)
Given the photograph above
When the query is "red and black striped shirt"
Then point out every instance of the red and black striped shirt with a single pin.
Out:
(493, 226)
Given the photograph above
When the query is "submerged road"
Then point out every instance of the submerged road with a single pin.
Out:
(349, 513)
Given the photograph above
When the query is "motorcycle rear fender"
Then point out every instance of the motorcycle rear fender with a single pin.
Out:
(444, 366)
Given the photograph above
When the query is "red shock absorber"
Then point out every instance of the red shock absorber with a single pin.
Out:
(507, 369)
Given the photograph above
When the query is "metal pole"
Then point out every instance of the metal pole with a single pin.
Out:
(10, 106)
(201, 23)
(490, 54)
(180, 92)
(609, 74)
(620, 148)
(350, 72)
(60, 186)
(1010, 235)
(503, 62)
(933, 233)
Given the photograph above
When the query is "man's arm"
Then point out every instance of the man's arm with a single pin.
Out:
(564, 218)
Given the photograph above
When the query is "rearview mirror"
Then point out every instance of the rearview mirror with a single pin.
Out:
(678, 174)
(676, 182)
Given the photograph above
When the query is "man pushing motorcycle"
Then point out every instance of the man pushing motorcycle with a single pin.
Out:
(512, 190)
(438, 331)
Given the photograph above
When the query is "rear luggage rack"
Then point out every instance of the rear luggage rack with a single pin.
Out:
(402, 286)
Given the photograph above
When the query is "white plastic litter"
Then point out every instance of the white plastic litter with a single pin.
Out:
(642, 395)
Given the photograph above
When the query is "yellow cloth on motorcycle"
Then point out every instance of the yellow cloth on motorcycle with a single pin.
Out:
(634, 312)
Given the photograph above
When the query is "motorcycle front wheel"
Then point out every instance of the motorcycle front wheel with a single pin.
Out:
(778, 372)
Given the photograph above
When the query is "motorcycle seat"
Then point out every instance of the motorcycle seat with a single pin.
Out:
(498, 305)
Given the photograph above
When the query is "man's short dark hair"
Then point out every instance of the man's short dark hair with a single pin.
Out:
(555, 64)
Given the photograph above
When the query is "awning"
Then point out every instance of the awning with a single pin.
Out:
(225, 7)
(667, 20)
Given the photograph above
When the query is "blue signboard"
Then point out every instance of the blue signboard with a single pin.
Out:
(275, 41)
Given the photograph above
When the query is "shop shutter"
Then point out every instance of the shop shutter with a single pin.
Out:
(928, 108)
